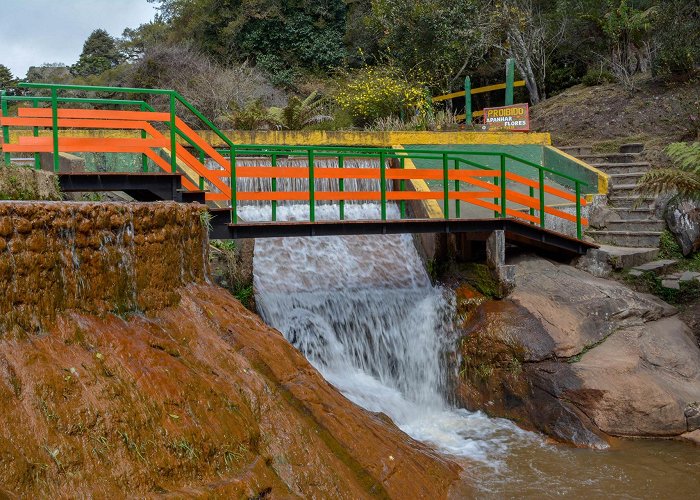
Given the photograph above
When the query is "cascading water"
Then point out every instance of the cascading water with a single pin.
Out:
(363, 311)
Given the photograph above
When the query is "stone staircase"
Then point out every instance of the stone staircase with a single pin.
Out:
(631, 221)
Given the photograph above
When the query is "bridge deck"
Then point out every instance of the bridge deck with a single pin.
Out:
(517, 232)
(140, 186)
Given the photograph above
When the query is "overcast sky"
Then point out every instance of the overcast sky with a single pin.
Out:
(33, 32)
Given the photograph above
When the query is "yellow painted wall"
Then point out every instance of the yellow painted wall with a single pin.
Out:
(337, 138)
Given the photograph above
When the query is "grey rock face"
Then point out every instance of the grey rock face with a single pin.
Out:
(683, 219)
(599, 358)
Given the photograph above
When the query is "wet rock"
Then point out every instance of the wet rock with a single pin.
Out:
(597, 358)
(692, 416)
(683, 219)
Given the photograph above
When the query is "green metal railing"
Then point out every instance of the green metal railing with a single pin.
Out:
(445, 158)
(455, 158)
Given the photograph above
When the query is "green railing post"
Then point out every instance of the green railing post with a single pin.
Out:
(445, 186)
(35, 133)
(496, 213)
(202, 159)
(402, 163)
(273, 163)
(173, 135)
(468, 101)
(579, 232)
(5, 128)
(541, 179)
(54, 126)
(234, 186)
(504, 183)
(341, 186)
(382, 183)
(144, 158)
(458, 203)
(510, 80)
(532, 195)
(312, 186)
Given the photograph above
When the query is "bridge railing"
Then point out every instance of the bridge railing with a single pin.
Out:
(499, 176)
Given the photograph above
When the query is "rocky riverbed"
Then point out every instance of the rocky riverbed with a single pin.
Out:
(579, 358)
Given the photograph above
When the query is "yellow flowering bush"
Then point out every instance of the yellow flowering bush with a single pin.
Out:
(379, 92)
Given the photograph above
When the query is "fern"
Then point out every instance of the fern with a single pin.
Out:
(683, 178)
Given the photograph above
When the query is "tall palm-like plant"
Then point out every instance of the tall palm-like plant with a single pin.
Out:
(683, 177)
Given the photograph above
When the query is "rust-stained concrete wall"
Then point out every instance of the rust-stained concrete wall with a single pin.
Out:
(95, 258)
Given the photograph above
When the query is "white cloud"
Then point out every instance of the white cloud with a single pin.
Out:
(33, 32)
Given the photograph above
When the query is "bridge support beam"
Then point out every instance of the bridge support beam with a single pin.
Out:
(503, 275)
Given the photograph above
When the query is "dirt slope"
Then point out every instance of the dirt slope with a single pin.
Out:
(609, 115)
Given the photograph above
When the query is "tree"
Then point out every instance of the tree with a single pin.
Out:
(440, 39)
(531, 32)
(6, 78)
(99, 54)
(135, 41)
(282, 37)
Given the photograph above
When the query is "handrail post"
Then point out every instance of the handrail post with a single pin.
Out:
(234, 186)
(341, 186)
(468, 101)
(273, 163)
(541, 179)
(504, 200)
(312, 186)
(445, 186)
(402, 163)
(173, 135)
(5, 128)
(54, 126)
(510, 81)
(382, 183)
(579, 233)
(201, 160)
(458, 203)
(35, 132)
(144, 158)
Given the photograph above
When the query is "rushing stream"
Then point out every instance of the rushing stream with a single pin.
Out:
(363, 311)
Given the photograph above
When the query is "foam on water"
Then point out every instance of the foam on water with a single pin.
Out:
(364, 313)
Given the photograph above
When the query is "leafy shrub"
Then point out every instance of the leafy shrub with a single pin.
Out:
(379, 92)
(299, 113)
(252, 116)
(595, 77)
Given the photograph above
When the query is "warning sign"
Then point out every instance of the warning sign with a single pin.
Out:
(513, 117)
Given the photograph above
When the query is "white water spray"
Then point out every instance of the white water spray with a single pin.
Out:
(364, 313)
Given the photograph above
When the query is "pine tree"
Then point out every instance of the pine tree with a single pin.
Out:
(6, 78)
(99, 54)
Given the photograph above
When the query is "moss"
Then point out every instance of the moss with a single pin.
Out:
(479, 276)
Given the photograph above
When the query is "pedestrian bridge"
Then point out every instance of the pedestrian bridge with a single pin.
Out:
(467, 191)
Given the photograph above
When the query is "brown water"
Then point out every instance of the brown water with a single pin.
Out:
(629, 469)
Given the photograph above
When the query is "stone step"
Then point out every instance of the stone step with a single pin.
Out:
(627, 257)
(632, 147)
(598, 158)
(641, 213)
(623, 190)
(657, 267)
(624, 200)
(636, 225)
(576, 150)
(627, 178)
(646, 239)
(623, 168)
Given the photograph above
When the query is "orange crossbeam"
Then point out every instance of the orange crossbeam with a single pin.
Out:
(82, 145)
(100, 114)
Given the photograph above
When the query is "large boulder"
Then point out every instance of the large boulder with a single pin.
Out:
(581, 358)
(683, 219)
